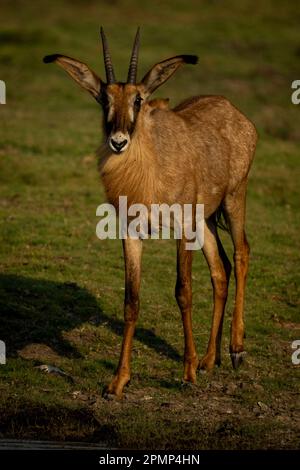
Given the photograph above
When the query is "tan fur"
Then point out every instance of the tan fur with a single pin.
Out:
(159, 103)
(199, 152)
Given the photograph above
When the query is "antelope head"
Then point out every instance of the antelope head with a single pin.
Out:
(121, 102)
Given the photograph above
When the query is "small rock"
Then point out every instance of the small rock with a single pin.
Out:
(263, 406)
(147, 397)
(81, 396)
(54, 370)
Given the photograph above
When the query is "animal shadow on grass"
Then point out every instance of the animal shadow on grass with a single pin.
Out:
(40, 311)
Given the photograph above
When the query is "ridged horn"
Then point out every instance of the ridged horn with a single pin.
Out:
(134, 59)
(110, 76)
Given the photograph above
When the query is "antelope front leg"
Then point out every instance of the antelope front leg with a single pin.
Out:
(132, 256)
(183, 294)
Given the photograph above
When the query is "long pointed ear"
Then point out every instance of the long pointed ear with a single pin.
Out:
(162, 71)
(81, 73)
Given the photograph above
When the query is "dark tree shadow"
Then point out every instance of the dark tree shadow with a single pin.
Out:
(39, 311)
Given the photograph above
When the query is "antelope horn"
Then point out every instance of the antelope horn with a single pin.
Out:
(134, 59)
(110, 76)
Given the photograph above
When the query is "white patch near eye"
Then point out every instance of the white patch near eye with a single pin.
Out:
(110, 98)
(111, 108)
(130, 114)
(111, 112)
(130, 108)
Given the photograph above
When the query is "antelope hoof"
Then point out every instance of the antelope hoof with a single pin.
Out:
(190, 369)
(189, 378)
(187, 385)
(207, 363)
(237, 358)
(107, 395)
(114, 391)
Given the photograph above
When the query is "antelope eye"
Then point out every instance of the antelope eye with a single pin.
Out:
(138, 101)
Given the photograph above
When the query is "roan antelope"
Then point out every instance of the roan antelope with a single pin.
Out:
(198, 152)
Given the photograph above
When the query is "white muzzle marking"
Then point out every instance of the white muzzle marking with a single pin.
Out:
(119, 141)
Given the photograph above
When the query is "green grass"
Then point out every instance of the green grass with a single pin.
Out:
(61, 289)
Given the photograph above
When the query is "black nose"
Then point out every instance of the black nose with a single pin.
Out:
(118, 145)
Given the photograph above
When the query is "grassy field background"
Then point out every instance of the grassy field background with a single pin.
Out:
(61, 289)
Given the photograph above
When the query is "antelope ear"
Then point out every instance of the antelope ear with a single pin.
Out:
(79, 71)
(162, 71)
